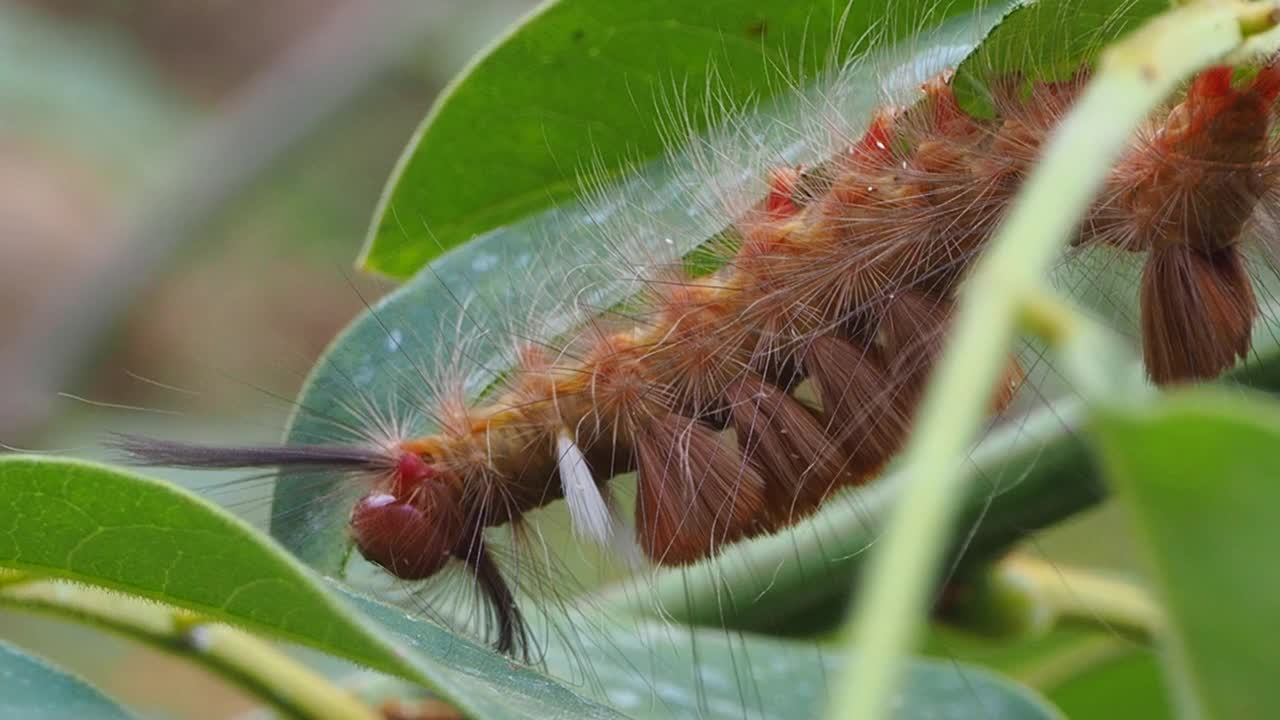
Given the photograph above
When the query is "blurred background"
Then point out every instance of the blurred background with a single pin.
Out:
(183, 190)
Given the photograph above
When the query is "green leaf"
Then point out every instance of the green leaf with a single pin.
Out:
(1046, 40)
(588, 83)
(105, 527)
(1197, 474)
(653, 670)
(32, 689)
(1133, 675)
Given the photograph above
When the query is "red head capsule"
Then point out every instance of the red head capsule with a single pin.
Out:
(412, 528)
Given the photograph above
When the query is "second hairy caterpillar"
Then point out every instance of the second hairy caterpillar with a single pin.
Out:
(745, 398)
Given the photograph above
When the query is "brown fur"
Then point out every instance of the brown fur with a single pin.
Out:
(800, 464)
(1197, 313)
(695, 492)
(861, 412)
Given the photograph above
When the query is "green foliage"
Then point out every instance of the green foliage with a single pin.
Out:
(1048, 40)
(624, 661)
(585, 86)
(1197, 474)
(585, 76)
(1117, 688)
(108, 528)
(31, 689)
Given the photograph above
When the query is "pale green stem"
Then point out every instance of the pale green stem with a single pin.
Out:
(1085, 597)
(1133, 78)
(1127, 615)
(244, 660)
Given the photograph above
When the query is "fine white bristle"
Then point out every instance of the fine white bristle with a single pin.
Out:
(623, 543)
(587, 508)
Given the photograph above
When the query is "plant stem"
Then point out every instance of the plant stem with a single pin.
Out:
(1084, 597)
(1134, 76)
(244, 660)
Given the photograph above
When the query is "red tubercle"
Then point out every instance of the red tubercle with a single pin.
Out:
(410, 471)
(875, 146)
(1212, 83)
(1266, 84)
(946, 117)
(780, 203)
(1212, 95)
(411, 467)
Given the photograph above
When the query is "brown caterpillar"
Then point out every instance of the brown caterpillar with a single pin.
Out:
(744, 399)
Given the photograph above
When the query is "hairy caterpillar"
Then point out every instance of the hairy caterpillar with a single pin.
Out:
(746, 397)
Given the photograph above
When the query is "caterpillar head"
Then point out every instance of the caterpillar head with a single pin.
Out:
(414, 525)
(410, 523)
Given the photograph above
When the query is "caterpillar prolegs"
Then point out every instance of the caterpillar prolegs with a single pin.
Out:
(746, 397)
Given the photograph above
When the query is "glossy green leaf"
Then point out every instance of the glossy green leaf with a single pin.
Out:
(1197, 473)
(105, 527)
(585, 83)
(1047, 40)
(32, 689)
(651, 670)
